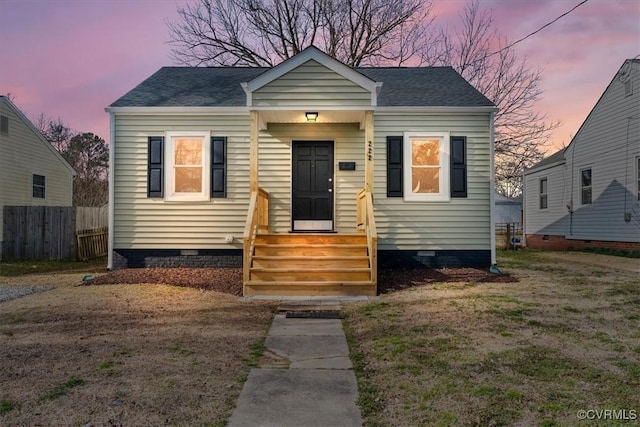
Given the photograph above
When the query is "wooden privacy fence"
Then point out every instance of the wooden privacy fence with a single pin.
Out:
(39, 232)
(89, 218)
(52, 232)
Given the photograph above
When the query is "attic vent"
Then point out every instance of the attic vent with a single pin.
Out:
(4, 124)
(628, 87)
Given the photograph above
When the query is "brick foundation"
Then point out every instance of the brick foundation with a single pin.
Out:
(560, 243)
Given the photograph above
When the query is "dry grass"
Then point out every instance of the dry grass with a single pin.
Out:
(124, 354)
(564, 338)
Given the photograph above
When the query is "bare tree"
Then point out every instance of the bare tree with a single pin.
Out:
(478, 52)
(378, 32)
(87, 153)
(267, 32)
(89, 156)
(55, 131)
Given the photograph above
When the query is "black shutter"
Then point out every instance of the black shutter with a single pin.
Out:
(155, 175)
(458, 166)
(394, 166)
(218, 166)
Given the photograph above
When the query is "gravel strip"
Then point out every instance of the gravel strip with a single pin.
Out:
(9, 292)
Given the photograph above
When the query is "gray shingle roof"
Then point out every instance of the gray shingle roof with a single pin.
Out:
(220, 87)
(556, 157)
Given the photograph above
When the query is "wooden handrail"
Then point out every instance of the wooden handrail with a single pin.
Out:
(366, 222)
(257, 219)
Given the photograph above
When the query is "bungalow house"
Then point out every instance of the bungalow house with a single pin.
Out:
(588, 194)
(307, 174)
(32, 172)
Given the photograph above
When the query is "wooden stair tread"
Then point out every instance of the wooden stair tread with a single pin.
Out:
(311, 283)
(311, 234)
(317, 257)
(313, 270)
(311, 245)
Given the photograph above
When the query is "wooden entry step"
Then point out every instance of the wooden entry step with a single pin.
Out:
(317, 288)
(310, 264)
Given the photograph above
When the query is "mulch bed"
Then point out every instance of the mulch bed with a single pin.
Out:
(229, 280)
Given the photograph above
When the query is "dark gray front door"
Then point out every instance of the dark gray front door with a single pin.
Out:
(312, 186)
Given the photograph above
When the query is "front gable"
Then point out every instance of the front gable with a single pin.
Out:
(312, 79)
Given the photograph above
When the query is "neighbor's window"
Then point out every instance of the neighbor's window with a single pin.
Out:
(585, 186)
(38, 186)
(188, 160)
(426, 168)
(4, 124)
(638, 175)
(543, 194)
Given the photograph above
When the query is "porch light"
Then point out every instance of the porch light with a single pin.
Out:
(311, 116)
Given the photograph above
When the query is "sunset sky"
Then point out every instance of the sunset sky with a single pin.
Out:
(72, 58)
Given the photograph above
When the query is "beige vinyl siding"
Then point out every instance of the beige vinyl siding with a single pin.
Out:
(458, 224)
(275, 169)
(151, 223)
(145, 223)
(311, 84)
(22, 154)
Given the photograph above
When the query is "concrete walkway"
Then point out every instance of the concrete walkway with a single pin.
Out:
(310, 381)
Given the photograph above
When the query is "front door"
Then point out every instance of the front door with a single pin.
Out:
(312, 186)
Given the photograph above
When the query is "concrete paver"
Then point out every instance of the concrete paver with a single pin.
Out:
(297, 398)
(318, 389)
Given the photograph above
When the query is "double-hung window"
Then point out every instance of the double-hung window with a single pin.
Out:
(544, 201)
(39, 186)
(426, 168)
(638, 175)
(585, 186)
(188, 162)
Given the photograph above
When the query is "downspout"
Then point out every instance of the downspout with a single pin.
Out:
(492, 190)
(523, 211)
(112, 152)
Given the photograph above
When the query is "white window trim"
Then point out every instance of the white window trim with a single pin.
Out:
(540, 193)
(637, 177)
(33, 185)
(581, 187)
(170, 194)
(444, 195)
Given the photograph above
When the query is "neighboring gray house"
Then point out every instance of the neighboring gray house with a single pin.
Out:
(32, 172)
(307, 174)
(508, 210)
(588, 195)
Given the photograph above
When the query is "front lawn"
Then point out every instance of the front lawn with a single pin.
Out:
(564, 339)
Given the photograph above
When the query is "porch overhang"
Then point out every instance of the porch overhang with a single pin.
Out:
(298, 116)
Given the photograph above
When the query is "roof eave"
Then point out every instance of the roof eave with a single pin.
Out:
(179, 110)
(544, 167)
(436, 109)
(313, 53)
(39, 135)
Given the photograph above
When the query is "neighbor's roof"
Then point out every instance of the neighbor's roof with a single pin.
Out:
(552, 160)
(221, 87)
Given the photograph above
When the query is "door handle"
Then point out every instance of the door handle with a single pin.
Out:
(330, 190)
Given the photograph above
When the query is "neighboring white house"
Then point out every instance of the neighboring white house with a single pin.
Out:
(205, 160)
(588, 195)
(32, 172)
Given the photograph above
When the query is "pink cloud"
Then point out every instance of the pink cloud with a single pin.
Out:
(71, 58)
